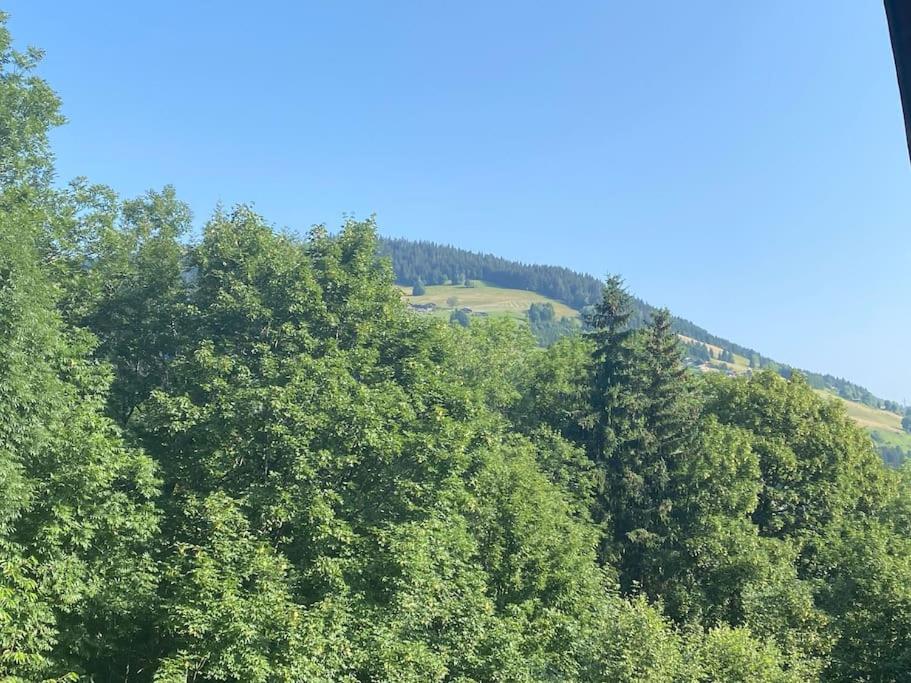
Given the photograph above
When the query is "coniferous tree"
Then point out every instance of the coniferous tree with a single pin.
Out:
(671, 408)
(460, 317)
(656, 463)
(615, 424)
(648, 468)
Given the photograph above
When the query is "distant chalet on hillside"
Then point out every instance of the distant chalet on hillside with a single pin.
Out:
(423, 308)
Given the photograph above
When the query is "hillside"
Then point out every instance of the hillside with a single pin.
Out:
(434, 264)
(893, 443)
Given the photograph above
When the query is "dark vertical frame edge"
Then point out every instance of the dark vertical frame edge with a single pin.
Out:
(898, 15)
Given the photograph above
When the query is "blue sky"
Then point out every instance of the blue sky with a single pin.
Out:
(740, 163)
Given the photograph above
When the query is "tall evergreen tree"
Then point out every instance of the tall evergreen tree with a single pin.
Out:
(659, 428)
(671, 408)
(615, 421)
(655, 463)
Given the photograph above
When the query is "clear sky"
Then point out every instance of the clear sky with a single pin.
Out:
(740, 162)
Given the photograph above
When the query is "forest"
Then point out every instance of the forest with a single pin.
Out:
(428, 263)
(235, 455)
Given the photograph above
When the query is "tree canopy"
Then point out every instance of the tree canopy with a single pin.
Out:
(236, 455)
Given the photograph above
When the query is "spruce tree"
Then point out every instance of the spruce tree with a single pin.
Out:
(670, 406)
(643, 425)
(615, 420)
(650, 485)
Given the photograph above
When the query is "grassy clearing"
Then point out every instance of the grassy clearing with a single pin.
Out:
(871, 418)
(741, 362)
(884, 426)
(487, 299)
(900, 439)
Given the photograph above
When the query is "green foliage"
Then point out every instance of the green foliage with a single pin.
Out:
(556, 389)
(77, 515)
(460, 317)
(544, 325)
(733, 655)
(541, 313)
(403, 527)
(243, 459)
(698, 352)
(863, 574)
(817, 466)
(28, 110)
(123, 272)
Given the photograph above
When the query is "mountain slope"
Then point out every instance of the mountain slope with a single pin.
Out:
(435, 264)
(884, 426)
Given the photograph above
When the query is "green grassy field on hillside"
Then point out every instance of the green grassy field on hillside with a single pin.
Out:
(872, 418)
(884, 426)
(896, 439)
(482, 298)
